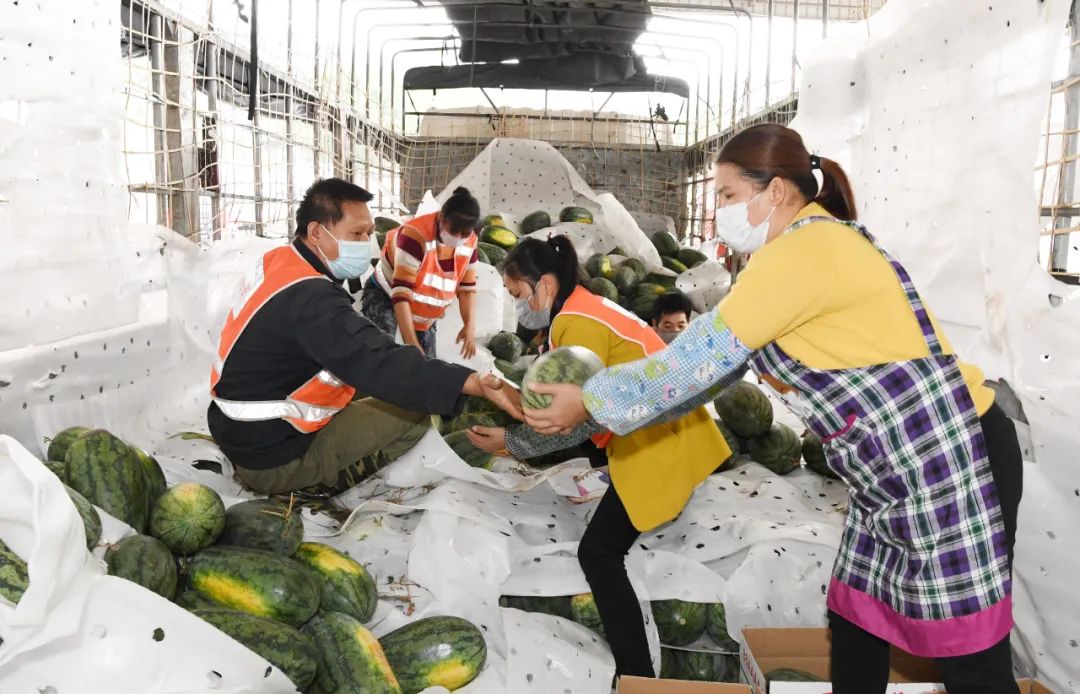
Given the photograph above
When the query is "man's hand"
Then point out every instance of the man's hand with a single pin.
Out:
(565, 412)
(502, 395)
(467, 341)
(489, 439)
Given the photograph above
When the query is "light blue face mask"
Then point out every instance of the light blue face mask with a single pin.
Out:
(354, 258)
(532, 318)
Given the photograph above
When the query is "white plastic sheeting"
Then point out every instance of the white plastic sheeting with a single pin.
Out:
(935, 111)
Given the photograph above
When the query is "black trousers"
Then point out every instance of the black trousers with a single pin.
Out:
(602, 555)
(860, 660)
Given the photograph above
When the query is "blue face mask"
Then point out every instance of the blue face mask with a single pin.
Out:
(354, 258)
(532, 318)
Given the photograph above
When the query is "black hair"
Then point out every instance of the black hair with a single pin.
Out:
(322, 202)
(532, 259)
(461, 211)
(671, 303)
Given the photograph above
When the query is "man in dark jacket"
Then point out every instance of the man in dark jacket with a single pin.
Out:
(305, 388)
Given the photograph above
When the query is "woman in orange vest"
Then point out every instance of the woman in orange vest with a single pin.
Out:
(653, 470)
(425, 264)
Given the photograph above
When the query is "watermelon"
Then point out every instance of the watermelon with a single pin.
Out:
(583, 611)
(347, 587)
(90, 518)
(155, 478)
(461, 445)
(510, 371)
(385, 224)
(690, 257)
(813, 452)
(506, 346)
(14, 575)
(494, 219)
(480, 412)
(643, 306)
(697, 666)
(263, 524)
(144, 560)
(637, 266)
(499, 236)
(59, 444)
(716, 627)
(673, 265)
(482, 256)
(665, 281)
(576, 214)
(665, 243)
(58, 468)
(787, 674)
(572, 364)
(535, 221)
(602, 288)
(625, 279)
(779, 449)
(745, 409)
(351, 661)
(618, 250)
(729, 438)
(599, 265)
(187, 518)
(678, 622)
(435, 652)
(649, 289)
(108, 473)
(496, 255)
(558, 605)
(191, 600)
(667, 663)
(279, 644)
(255, 581)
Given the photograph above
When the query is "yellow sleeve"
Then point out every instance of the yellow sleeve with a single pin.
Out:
(785, 284)
(582, 332)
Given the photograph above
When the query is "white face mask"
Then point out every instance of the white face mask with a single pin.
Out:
(451, 240)
(734, 227)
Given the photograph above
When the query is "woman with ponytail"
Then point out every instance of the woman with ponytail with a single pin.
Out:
(653, 470)
(425, 264)
(824, 315)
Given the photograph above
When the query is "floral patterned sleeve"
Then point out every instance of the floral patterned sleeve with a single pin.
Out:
(690, 371)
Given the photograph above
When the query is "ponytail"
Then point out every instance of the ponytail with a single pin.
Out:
(569, 273)
(532, 258)
(461, 211)
(835, 195)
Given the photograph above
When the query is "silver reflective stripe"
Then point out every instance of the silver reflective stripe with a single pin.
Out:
(258, 411)
(429, 246)
(329, 378)
(466, 251)
(445, 284)
(423, 321)
(431, 301)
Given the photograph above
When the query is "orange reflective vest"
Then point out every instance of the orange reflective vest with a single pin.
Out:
(618, 320)
(311, 406)
(434, 288)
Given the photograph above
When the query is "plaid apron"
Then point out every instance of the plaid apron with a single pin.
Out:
(924, 536)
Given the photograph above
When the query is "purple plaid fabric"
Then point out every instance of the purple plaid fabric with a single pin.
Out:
(924, 531)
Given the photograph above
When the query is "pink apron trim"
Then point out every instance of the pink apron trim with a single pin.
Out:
(848, 424)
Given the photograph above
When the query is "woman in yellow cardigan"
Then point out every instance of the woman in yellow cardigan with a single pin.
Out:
(653, 470)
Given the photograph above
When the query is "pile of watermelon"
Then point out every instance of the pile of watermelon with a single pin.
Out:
(247, 571)
(746, 421)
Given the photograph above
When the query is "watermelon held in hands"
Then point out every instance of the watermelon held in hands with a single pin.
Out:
(279, 644)
(716, 627)
(665, 244)
(347, 587)
(14, 575)
(583, 611)
(576, 214)
(59, 444)
(351, 660)
(144, 560)
(435, 652)
(461, 445)
(572, 364)
(535, 221)
(678, 622)
(255, 581)
(745, 409)
(506, 346)
(110, 475)
(187, 518)
(779, 449)
(813, 452)
(90, 519)
(263, 524)
(599, 266)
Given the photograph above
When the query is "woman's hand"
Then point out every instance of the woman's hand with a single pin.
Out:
(467, 341)
(565, 412)
(489, 439)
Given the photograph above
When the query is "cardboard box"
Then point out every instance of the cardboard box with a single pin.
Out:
(807, 649)
(644, 685)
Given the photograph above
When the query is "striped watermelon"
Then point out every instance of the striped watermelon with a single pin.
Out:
(557, 605)
(59, 444)
(144, 560)
(679, 622)
(347, 587)
(187, 518)
(572, 364)
(279, 644)
(155, 478)
(583, 611)
(263, 524)
(697, 666)
(90, 518)
(731, 440)
(351, 661)
(779, 449)
(14, 575)
(255, 581)
(108, 473)
(813, 452)
(716, 626)
(667, 663)
(58, 468)
(745, 409)
(435, 652)
(191, 600)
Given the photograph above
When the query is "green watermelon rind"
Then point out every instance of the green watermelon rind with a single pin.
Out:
(571, 213)
(187, 518)
(573, 364)
(281, 645)
(263, 524)
(506, 346)
(583, 611)
(91, 519)
(350, 657)
(461, 445)
(420, 651)
(604, 288)
(779, 449)
(665, 243)
(535, 221)
(678, 622)
(700, 666)
(110, 475)
(14, 575)
(716, 627)
(599, 266)
(813, 453)
(347, 587)
(745, 409)
(59, 444)
(146, 561)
